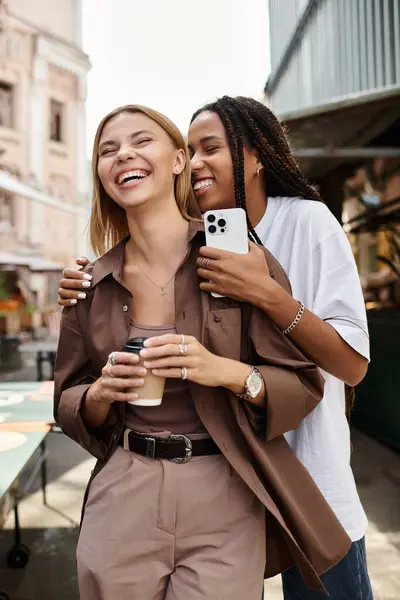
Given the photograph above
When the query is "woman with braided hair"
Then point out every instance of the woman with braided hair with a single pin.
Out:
(240, 156)
(326, 315)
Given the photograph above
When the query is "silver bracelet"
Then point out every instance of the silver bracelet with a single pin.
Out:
(295, 320)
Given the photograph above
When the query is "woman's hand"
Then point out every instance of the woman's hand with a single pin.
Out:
(73, 284)
(119, 375)
(238, 276)
(183, 357)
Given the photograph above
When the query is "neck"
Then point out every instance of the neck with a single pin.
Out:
(257, 200)
(157, 236)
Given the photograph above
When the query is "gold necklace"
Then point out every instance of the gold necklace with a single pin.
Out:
(162, 287)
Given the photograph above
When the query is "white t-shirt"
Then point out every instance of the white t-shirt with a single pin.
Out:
(313, 249)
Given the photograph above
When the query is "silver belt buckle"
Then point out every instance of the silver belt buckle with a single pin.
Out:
(188, 448)
(150, 449)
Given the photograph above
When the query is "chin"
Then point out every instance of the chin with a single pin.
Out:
(132, 201)
(214, 202)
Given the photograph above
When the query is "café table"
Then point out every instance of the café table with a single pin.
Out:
(26, 417)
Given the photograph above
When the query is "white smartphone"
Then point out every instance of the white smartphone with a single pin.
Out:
(227, 230)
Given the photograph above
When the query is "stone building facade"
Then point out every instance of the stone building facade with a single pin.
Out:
(43, 165)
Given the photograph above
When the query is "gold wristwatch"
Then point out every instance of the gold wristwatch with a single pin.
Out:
(253, 385)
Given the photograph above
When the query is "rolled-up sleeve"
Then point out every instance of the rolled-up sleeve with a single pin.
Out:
(294, 386)
(73, 377)
(338, 294)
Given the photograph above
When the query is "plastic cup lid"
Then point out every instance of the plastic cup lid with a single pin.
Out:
(134, 344)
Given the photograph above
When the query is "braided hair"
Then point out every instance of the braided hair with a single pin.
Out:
(247, 121)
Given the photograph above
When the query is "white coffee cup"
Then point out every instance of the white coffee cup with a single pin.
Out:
(151, 393)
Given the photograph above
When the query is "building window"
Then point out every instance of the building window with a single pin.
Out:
(56, 121)
(6, 212)
(6, 105)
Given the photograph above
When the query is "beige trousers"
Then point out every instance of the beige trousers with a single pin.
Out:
(156, 530)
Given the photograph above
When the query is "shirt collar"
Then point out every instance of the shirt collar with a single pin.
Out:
(112, 262)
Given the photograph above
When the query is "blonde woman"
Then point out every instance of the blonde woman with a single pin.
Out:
(184, 494)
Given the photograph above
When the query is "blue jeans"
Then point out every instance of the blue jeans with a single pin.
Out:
(348, 580)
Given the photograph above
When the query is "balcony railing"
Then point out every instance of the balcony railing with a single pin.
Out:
(338, 48)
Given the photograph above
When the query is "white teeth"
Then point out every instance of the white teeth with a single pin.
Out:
(199, 185)
(122, 178)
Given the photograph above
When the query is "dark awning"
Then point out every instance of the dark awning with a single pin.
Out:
(353, 123)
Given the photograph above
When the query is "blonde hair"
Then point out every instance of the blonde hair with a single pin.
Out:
(108, 222)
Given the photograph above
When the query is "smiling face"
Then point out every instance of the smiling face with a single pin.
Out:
(211, 162)
(137, 160)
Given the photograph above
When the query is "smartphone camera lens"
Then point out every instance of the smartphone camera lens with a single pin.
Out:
(222, 222)
(212, 229)
(222, 230)
(211, 218)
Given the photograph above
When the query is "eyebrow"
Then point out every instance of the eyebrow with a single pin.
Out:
(210, 137)
(207, 138)
(133, 136)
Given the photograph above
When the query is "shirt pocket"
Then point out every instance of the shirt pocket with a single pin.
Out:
(224, 330)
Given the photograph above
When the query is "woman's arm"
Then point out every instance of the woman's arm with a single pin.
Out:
(83, 399)
(247, 278)
(317, 338)
(233, 377)
(112, 387)
(73, 378)
(163, 356)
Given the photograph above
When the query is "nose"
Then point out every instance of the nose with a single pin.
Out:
(196, 163)
(125, 153)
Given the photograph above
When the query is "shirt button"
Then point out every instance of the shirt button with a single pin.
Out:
(217, 318)
(125, 308)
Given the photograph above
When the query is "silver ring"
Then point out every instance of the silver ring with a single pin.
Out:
(206, 263)
(109, 370)
(183, 373)
(182, 349)
(112, 358)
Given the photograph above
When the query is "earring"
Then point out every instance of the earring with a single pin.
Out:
(258, 171)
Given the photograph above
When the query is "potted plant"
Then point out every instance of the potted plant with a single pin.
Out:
(7, 303)
(30, 317)
(9, 328)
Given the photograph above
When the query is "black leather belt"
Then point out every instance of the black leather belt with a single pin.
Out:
(176, 448)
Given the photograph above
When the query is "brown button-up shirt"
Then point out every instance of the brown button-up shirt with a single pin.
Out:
(300, 526)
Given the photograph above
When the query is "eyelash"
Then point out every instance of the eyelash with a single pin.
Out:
(208, 150)
(110, 150)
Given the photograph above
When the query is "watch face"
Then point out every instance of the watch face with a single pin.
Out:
(254, 384)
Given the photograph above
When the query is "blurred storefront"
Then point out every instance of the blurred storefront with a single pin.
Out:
(43, 165)
(335, 83)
